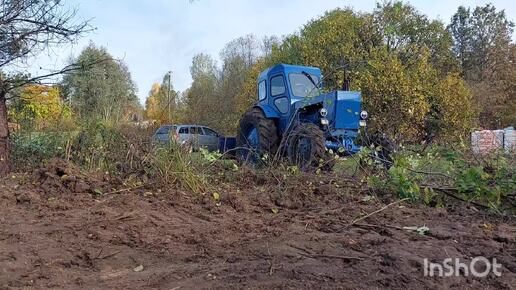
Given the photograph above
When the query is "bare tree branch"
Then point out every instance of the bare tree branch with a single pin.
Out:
(29, 26)
(67, 69)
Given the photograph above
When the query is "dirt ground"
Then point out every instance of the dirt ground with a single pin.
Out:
(58, 231)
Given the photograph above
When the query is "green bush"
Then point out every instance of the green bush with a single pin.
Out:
(98, 146)
(121, 150)
(173, 164)
(483, 180)
(31, 149)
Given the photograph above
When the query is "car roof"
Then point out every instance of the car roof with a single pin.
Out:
(185, 125)
(190, 125)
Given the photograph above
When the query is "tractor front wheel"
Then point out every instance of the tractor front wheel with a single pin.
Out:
(306, 148)
(256, 137)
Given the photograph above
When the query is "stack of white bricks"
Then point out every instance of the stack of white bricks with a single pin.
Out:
(486, 141)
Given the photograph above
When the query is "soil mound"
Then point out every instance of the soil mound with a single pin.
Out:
(61, 177)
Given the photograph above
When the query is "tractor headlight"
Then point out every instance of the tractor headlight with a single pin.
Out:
(364, 115)
(323, 112)
(325, 122)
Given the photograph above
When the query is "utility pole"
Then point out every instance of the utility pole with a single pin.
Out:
(168, 93)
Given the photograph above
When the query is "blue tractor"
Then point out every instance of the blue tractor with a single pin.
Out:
(293, 118)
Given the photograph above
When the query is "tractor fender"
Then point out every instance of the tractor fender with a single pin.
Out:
(269, 112)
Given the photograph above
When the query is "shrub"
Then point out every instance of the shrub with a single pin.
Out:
(488, 180)
(173, 164)
(31, 149)
(99, 146)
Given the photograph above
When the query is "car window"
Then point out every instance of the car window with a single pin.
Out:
(261, 91)
(193, 130)
(277, 85)
(163, 130)
(183, 130)
(210, 132)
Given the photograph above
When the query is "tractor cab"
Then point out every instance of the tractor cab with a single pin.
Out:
(282, 85)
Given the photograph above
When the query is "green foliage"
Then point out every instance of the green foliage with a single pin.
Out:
(484, 47)
(488, 180)
(401, 27)
(118, 150)
(104, 89)
(39, 107)
(201, 97)
(411, 100)
(402, 181)
(31, 149)
(174, 165)
(210, 156)
(215, 96)
(98, 146)
(398, 58)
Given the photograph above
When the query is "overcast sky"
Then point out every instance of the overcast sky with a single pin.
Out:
(156, 36)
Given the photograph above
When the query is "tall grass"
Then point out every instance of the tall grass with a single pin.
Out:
(175, 165)
(121, 150)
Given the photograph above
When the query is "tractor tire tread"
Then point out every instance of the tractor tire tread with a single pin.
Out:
(319, 149)
(267, 130)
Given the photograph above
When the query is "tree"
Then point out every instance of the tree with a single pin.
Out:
(400, 60)
(411, 101)
(238, 57)
(153, 110)
(401, 27)
(104, 90)
(39, 106)
(483, 46)
(201, 98)
(162, 103)
(26, 28)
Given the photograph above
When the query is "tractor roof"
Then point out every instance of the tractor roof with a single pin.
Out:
(288, 68)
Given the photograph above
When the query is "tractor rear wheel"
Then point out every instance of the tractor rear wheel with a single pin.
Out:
(306, 148)
(256, 137)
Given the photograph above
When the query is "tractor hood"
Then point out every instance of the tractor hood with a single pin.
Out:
(343, 109)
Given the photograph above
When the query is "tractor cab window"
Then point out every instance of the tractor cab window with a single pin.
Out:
(277, 86)
(261, 91)
(301, 85)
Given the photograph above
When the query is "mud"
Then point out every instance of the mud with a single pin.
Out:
(261, 232)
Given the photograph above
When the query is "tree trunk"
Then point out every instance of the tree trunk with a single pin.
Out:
(5, 148)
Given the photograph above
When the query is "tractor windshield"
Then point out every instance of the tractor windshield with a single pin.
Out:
(301, 85)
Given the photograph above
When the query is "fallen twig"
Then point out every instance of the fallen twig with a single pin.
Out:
(378, 226)
(331, 256)
(125, 216)
(448, 192)
(125, 189)
(374, 212)
(271, 269)
(109, 255)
